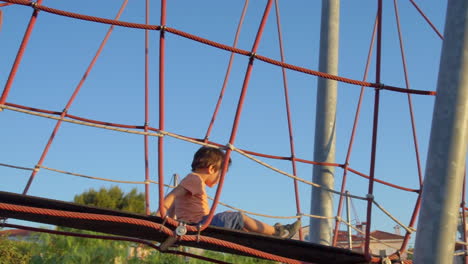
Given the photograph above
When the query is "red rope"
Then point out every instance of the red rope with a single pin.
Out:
(71, 100)
(288, 114)
(417, 206)
(37, 6)
(19, 55)
(162, 48)
(413, 125)
(214, 143)
(374, 130)
(427, 19)
(225, 47)
(5, 4)
(139, 222)
(238, 113)
(228, 72)
(147, 105)
(410, 102)
(353, 134)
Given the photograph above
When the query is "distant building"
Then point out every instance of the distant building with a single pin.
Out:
(382, 244)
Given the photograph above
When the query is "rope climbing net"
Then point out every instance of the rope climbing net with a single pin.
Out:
(252, 114)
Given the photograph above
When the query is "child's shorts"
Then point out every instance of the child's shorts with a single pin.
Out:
(228, 219)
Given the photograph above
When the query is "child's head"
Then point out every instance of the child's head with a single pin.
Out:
(208, 156)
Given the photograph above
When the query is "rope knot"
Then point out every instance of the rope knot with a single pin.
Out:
(379, 86)
(252, 56)
(230, 146)
(163, 133)
(370, 196)
(34, 5)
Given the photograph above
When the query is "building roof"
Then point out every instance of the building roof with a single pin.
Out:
(382, 235)
(343, 235)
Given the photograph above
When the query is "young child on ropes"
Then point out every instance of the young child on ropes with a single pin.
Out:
(189, 201)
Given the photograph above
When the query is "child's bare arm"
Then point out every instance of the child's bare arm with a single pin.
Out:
(179, 191)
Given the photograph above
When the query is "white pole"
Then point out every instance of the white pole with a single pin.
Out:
(348, 218)
(324, 147)
(437, 224)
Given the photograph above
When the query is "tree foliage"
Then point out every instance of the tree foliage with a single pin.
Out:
(113, 198)
(14, 252)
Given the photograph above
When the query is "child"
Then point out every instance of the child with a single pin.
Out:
(189, 201)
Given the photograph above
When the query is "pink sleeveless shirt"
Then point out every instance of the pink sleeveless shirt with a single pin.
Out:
(194, 205)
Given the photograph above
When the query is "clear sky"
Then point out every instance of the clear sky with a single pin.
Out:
(61, 48)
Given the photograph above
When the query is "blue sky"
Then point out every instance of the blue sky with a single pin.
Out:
(61, 48)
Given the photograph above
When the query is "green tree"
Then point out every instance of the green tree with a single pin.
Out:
(69, 249)
(14, 252)
(113, 198)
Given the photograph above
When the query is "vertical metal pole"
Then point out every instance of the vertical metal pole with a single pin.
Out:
(435, 239)
(325, 123)
(348, 219)
(176, 179)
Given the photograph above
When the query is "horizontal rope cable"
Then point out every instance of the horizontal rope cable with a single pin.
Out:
(292, 176)
(79, 122)
(224, 204)
(16, 167)
(145, 223)
(410, 230)
(166, 185)
(5, 4)
(165, 133)
(93, 177)
(142, 182)
(220, 46)
(99, 124)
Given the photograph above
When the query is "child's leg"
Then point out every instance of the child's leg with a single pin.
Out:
(284, 231)
(253, 225)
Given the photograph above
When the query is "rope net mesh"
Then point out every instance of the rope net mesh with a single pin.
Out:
(126, 94)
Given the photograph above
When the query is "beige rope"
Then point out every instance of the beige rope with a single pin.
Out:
(293, 176)
(91, 177)
(371, 237)
(171, 186)
(165, 133)
(408, 229)
(104, 179)
(80, 122)
(252, 213)
(319, 216)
